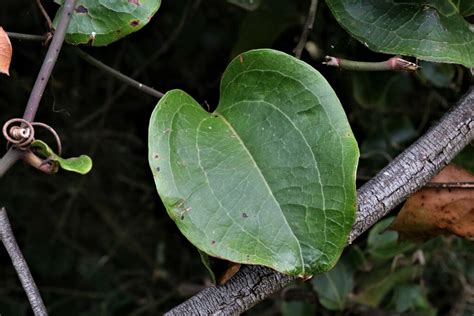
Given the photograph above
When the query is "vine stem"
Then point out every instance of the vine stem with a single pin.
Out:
(117, 74)
(308, 26)
(9, 159)
(49, 61)
(21, 267)
(94, 62)
(394, 64)
(27, 37)
(45, 15)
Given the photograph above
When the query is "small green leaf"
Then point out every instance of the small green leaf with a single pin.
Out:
(43, 149)
(81, 164)
(383, 244)
(333, 287)
(377, 285)
(246, 4)
(411, 297)
(431, 30)
(269, 177)
(101, 22)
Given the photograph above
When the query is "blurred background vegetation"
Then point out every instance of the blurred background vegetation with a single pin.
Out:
(102, 244)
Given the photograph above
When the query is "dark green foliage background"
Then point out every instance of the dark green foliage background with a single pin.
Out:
(102, 244)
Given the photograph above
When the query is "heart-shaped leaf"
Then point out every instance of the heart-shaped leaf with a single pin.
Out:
(433, 30)
(101, 22)
(269, 177)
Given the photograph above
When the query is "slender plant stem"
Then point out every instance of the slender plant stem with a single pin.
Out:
(49, 61)
(117, 74)
(308, 26)
(450, 185)
(394, 63)
(143, 65)
(21, 267)
(9, 159)
(27, 37)
(45, 14)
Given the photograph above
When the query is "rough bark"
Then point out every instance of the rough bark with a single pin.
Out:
(403, 176)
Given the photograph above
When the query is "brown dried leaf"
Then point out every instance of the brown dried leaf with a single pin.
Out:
(5, 52)
(434, 211)
(228, 273)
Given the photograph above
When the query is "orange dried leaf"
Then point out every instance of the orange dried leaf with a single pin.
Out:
(5, 52)
(229, 272)
(434, 211)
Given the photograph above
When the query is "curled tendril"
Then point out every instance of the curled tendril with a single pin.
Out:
(21, 133)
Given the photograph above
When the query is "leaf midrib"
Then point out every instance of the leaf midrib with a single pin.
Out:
(266, 184)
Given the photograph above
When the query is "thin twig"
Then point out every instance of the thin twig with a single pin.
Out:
(21, 267)
(392, 64)
(9, 159)
(45, 14)
(450, 185)
(45, 72)
(27, 37)
(49, 61)
(140, 68)
(308, 26)
(117, 74)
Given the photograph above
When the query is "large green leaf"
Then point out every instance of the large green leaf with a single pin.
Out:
(269, 177)
(428, 29)
(101, 22)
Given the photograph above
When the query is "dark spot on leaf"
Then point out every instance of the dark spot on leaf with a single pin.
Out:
(135, 2)
(81, 9)
(158, 169)
(244, 215)
(134, 23)
(213, 242)
(156, 156)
